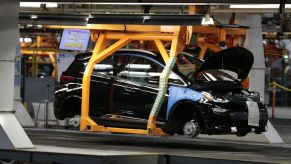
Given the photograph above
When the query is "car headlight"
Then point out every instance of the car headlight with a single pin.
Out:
(210, 97)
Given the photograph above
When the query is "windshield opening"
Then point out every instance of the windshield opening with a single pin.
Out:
(187, 64)
(214, 75)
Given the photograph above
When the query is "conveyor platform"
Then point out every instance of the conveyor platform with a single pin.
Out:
(68, 146)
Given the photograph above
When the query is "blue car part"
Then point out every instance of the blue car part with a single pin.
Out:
(179, 93)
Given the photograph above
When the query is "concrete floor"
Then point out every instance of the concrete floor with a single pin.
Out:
(283, 127)
(204, 149)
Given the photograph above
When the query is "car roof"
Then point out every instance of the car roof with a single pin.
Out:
(86, 56)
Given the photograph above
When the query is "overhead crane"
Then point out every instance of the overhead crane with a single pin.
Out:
(207, 37)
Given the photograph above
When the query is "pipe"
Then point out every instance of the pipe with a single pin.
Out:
(273, 101)
(163, 86)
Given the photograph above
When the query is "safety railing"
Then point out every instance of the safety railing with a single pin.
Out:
(274, 85)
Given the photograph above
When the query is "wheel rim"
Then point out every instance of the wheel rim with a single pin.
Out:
(191, 129)
(75, 121)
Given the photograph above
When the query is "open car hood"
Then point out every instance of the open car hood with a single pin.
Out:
(236, 59)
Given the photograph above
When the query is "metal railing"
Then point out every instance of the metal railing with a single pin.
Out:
(274, 85)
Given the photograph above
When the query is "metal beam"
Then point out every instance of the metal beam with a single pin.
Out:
(165, 2)
(80, 19)
(148, 19)
(53, 19)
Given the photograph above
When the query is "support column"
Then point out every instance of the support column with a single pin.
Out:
(12, 136)
(20, 112)
(254, 42)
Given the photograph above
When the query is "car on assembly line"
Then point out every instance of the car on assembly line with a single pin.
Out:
(202, 97)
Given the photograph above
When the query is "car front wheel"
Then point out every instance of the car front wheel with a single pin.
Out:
(191, 129)
(75, 121)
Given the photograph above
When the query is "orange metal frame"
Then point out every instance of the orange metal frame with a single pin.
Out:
(124, 34)
(103, 50)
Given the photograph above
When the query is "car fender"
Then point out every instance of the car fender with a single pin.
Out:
(180, 94)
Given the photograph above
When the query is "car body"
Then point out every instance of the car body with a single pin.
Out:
(203, 97)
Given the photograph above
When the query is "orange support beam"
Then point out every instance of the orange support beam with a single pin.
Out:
(98, 55)
(140, 36)
(178, 43)
(221, 35)
(100, 52)
(162, 49)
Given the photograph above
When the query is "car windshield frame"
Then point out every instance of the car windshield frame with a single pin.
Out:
(187, 64)
(215, 75)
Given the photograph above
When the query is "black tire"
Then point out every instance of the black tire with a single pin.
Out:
(181, 114)
(174, 127)
(70, 107)
(242, 132)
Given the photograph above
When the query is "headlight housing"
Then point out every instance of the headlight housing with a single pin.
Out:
(219, 110)
(217, 99)
(208, 97)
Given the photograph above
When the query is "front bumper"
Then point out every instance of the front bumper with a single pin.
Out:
(235, 114)
(240, 121)
(239, 117)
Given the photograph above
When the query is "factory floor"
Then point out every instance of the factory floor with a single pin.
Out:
(70, 146)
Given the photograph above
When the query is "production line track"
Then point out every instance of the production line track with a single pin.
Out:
(68, 146)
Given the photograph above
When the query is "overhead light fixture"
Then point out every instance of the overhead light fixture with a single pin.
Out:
(89, 17)
(39, 4)
(258, 6)
(207, 20)
(33, 17)
(27, 40)
(146, 17)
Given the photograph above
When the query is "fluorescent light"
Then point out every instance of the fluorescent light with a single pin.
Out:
(258, 6)
(21, 40)
(27, 40)
(138, 3)
(38, 4)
